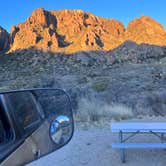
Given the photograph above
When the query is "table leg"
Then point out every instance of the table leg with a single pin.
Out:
(162, 137)
(122, 150)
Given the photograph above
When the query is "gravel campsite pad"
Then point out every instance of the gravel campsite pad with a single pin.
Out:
(92, 147)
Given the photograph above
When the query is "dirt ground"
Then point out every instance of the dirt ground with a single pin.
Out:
(92, 147)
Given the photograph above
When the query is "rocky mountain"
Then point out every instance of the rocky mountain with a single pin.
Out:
(4, 39)
(104, 59)
(66, 30)
(75, 30)
(146, 30)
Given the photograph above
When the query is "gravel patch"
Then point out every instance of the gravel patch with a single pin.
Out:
(93, 147)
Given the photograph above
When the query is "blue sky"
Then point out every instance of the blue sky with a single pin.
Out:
(14, 11)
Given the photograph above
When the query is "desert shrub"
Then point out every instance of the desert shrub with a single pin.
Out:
(118, 111)
(87, 110)
(91, 110)
(100, 86)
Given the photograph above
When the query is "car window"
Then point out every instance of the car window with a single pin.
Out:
(6, 132)
(2, 132)
(24, 107)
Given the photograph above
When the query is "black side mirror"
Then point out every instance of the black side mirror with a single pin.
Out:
(33, 123)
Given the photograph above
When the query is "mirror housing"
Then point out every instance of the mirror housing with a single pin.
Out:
(33, 123)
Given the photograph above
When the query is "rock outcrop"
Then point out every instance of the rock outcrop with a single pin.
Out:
(4, 39)
(75, 30)
(129, 51)
(67, 30)
(146, 30)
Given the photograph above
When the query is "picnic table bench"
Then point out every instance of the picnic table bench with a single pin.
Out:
(133, 128)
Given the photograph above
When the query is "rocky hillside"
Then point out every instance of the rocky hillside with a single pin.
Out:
(4, 39)
(131, 74)
(76, 30)
(119, 68)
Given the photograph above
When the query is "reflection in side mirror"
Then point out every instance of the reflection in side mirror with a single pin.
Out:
(60, 129)
(33, 123)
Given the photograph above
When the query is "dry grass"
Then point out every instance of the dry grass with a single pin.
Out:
(92, 110)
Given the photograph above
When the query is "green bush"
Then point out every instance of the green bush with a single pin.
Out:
(100, 86)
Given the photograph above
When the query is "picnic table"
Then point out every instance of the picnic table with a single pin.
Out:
(131, 129)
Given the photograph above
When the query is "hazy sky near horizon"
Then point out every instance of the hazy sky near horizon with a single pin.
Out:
(13, 12)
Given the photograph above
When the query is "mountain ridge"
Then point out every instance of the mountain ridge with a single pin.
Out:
(75, 30)
(4, 39)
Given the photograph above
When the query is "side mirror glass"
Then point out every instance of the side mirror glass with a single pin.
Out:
(33, 123)
(60, 129)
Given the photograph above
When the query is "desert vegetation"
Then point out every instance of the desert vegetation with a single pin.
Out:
(91, 110)
(138, 84)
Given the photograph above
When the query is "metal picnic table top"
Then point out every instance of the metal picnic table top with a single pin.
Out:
(139, 126)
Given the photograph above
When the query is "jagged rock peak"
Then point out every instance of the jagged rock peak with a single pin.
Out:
(76, 30)
(66, 30)
(4, 39)
(146, 30)
(38, 17)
